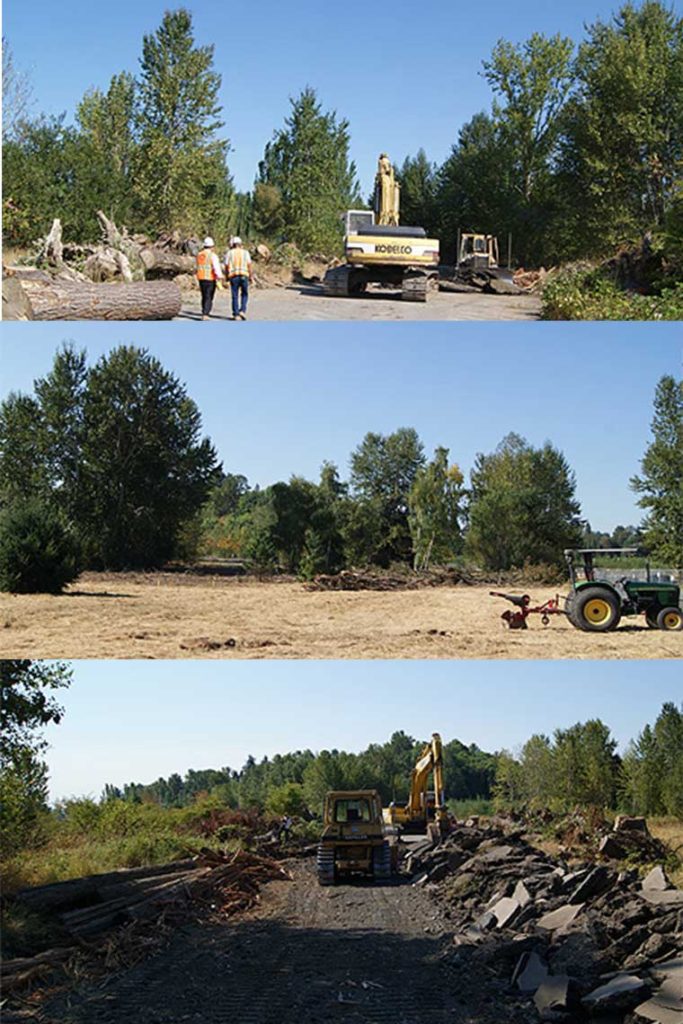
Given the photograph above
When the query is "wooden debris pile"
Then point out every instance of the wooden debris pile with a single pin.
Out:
(125, 903)
(350, 579)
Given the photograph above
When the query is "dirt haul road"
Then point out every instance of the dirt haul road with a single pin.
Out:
(297, 303)
(171, 615)
(357, 954)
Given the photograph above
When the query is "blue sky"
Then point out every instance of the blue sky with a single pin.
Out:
(136, 720)
(403, 76)
(284, 397)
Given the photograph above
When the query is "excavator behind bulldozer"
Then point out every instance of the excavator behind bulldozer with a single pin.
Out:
(425, 810)
(378, 250)
(353, 841)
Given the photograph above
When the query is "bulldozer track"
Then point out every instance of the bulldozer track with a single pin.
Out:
(307, 956)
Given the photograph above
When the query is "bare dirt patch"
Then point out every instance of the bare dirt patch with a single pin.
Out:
(135, 615)
(307, 302)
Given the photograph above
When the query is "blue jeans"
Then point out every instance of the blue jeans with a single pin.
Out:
(239, 286)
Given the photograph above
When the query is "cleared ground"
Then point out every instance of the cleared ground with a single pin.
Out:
(308, 303)
(355, 953)
(166, 615)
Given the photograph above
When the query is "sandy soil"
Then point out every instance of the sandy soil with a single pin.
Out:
(297, 302)
(163, 615)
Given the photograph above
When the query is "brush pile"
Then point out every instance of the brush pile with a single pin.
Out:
(350, 579)
(132, 900)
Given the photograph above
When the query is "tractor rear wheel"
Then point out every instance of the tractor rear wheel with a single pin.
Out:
(325, 865)
(670, 619)
(570, 609)
(597, 609)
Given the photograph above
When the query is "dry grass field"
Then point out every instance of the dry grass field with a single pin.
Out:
(165, 615)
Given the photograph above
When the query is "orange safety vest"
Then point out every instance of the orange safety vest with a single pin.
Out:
(205, 271)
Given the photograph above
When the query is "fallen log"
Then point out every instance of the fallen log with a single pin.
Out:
(162, 263)
(15, 302)
(79, 891)
(138, 300)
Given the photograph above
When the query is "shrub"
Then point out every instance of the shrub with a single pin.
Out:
(577, 295)
(39, 554)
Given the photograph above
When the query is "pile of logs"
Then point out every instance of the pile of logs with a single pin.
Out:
(66, 281)
(88, 908)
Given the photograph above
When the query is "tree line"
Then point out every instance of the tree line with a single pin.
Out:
(106, 467)
(578, 766)
(580, 151)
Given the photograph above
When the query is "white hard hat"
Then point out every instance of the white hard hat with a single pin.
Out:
(208, 242)
(237, 240)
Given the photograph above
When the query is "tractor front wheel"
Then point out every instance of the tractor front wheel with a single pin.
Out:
(597, 610)
(670, 619)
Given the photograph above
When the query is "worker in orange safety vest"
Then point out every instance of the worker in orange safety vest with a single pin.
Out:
(209, 273)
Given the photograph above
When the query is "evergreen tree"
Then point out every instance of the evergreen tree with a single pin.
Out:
(661, 483)
(417, 178)
(307, 162)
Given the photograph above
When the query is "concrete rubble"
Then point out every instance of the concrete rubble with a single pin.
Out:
(586, 941)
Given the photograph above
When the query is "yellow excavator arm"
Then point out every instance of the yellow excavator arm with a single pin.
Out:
(387, 197)
(418, 813)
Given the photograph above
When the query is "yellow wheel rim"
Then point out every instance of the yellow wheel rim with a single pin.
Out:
(672, 620)
(597, 611)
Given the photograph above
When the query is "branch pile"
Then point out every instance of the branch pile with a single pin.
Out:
(350, 579)
(132, 899)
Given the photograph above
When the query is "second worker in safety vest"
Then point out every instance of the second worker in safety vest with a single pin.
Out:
(209, 273)
(238, 270)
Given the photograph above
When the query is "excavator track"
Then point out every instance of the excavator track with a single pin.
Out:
(381, 863)
(414, 286)
(325, 865)
(336, 281)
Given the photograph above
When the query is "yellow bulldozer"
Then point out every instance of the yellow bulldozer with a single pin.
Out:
(353, 841)
(425, 810)
(378, 250)
(478, 263)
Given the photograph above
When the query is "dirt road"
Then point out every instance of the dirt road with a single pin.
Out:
(308, 303)
(167, 615)
(357, 954)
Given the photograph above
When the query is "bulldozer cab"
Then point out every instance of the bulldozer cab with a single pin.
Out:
(478, 251)
(360, 807)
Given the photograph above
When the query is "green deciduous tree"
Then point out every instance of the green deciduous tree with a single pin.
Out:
(435, 503)
(522, 506)
(180, 175)
(27, 705)
(107, 127)
(624, 130)
(308, 163)
(661, 483)
(383, 471)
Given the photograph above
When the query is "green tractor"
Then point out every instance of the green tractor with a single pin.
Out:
(597, 605)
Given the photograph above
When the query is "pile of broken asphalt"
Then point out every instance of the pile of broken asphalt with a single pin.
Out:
(590, 941)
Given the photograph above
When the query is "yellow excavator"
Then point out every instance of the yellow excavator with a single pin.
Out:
(380, 251)
(425, 810)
